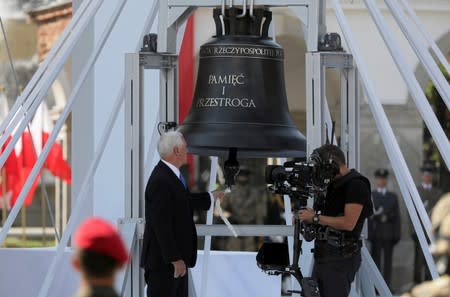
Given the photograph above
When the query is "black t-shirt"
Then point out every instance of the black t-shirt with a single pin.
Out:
(354, 189)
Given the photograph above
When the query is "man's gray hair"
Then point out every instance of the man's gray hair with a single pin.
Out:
(168, 141)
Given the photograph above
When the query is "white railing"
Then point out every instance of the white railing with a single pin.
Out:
(414, 87)
(18, 104)
(61, 120)
(28, 102)
(387, 135)
(431, 43)
(421, 51)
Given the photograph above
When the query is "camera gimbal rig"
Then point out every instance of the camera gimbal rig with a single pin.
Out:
(273, 258)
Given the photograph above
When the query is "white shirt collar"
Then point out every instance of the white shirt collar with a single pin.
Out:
(175, 170)
(426, 186)
(382, 191)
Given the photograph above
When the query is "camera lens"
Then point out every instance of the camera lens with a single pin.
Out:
(274, 173)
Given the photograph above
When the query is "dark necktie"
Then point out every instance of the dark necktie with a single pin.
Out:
(183, 181)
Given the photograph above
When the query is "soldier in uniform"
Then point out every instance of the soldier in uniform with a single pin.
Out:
(244, 205)
(430, 196)
(100, 254)
(384, 225)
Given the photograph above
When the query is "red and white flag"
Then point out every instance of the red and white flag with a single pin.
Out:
(30, 147)
(10, 173)
(55, 163)
(26, 158)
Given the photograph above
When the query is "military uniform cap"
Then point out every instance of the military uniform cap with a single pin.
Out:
(381, 172)
(427, 168)
(98, 235)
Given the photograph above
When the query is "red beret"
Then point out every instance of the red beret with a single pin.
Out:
(98, 235)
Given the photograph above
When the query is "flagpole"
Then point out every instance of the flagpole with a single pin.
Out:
(58, 208)
(24, 222)
(63, 185)
(4, 202)
(43, 216)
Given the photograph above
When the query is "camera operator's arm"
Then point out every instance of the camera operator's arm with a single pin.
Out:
(346, 222)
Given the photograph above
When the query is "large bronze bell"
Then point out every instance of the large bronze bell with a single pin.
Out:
(239, 106)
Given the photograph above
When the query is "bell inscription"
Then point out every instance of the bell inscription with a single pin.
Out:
(242, 51)
(225, 81)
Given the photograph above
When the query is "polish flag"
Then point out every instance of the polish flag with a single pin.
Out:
(26, 158)
(42, 127)
(33, 140)
(10, 173)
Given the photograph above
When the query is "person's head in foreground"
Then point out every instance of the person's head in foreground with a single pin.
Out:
(100, 253)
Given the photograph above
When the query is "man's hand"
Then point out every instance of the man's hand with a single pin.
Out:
(179, 268)
(306, 215)
(218, 195)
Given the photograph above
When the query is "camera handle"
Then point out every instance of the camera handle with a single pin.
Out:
(309, 286)
(297, 249)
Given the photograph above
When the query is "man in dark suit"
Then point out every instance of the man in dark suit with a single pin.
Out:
(170, 237)
(384, 225)
(430, 196)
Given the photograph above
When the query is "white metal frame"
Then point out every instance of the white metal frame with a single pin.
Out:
(135, 64)
(27, 104)
(430, 42)
(421, 51)
(172, 13)
(317, 112)
(317, 117)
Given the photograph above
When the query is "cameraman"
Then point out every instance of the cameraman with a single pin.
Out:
(337, 250)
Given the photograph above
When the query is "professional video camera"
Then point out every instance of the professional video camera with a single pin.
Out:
(300, 180)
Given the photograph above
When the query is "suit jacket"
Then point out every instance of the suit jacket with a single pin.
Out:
(429, 197)
(384, 224)
(170, 233)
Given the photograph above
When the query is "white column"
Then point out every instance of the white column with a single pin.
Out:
(91, 112)
(82, 115)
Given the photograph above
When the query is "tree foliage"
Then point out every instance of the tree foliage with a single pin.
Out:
(431, 153)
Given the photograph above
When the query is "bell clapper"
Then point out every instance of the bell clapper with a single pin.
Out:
(231, 167)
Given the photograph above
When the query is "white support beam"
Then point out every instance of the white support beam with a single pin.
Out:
(74, 28)
(59, 124)
(217, 3)
(431, 43)
(417, 94)
(312, 38)
(436, 75)
(371, 275)
(127, 229)
(246, 230)
(167, 43)
(315, 88)
(209, 222)
(179, 15)
(134, 183)
(38, 92)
